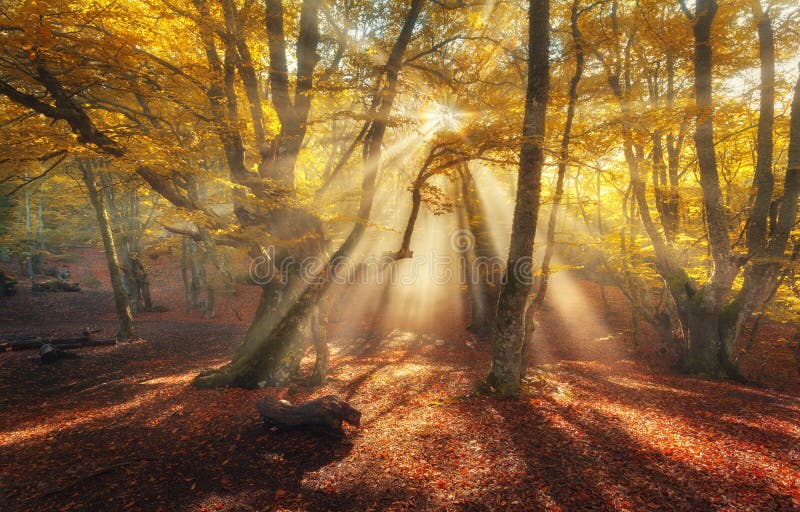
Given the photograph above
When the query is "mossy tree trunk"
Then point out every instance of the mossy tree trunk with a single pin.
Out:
(278, 337)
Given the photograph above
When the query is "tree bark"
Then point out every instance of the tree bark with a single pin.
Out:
(716, 214)
(507, 364)
(274, 344)
(185, 264)
(293, 115)
(479, 261)
(563, 158)
(674, 148)
(328, 412)
(380, 109)
(712, 315)
(763, 180)
(120, 297)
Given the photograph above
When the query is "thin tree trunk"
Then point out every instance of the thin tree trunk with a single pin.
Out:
(292, 115)
(478, 260)
(416, 203)
(196, 284)
(763, 180)
(674, 148)
(120, 297)
(544, 280)
(563, 159)
(716, 214)
(185, 263)
(381, 107)
(28, 235)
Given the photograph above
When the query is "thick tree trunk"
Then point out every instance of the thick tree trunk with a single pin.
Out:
(702, 340)
(271, 352)
(714, 320)
(275, 343)
(507, 364)
(120, 297)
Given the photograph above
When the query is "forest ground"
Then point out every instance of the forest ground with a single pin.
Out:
(121, 428)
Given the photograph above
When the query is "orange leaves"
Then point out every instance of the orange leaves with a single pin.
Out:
(627, 437)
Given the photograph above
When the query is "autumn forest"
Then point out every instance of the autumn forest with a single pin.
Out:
(399, 255)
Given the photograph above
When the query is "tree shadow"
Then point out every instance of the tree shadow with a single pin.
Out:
(702, 410)
(108, 464)
(583, 460)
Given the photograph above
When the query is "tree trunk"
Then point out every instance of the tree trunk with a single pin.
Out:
(507, 364)
(716, 214)
(185, 263)
(319, 333)
(563, 157)
(271, 352)
(28, 236)
(763, 180)
(701, 338)
(674, 148)
(275, 343)
(196, 271)
(713, 321)
(120, 297)
(140, 283)
(478, 260)
(293, 115)
(416, 203)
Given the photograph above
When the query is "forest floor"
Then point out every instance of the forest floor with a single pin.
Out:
(121, 428)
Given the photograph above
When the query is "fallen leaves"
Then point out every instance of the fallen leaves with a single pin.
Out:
(589, 434)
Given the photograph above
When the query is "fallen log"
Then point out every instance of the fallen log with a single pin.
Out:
(50, 354)
(62, 343)
(328, 412)
(54, 285)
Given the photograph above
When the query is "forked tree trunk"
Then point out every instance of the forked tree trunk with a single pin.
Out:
(702, 338)
(276, 341)
(712, 320)
(507, 355)
(120, 297)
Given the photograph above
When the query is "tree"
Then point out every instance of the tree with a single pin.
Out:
(109, 245)
(563, 160)
(271, 353)
(711, 314)
(508, 367)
